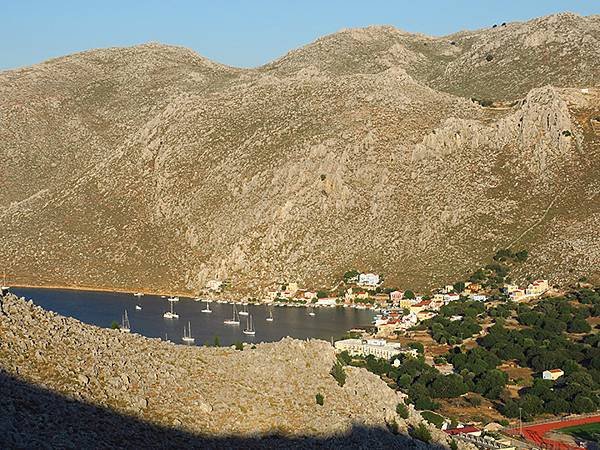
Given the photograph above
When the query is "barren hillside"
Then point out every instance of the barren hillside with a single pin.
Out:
(151, 167)
(69, 385)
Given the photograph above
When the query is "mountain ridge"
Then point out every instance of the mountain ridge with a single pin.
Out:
(346, 154)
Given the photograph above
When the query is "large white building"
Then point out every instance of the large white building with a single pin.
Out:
(376, 347)
(368, 279)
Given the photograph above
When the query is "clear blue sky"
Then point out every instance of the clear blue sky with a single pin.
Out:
(236, 32)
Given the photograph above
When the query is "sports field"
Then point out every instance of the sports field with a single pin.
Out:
(588, 431)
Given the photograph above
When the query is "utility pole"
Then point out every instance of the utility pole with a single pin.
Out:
(520, 423)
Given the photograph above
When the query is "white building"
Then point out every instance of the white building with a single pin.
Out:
(552, 374)
(538, 287)
(328, 301)
(479, 297)
(368, 279)
(214, 285)
(376, 347)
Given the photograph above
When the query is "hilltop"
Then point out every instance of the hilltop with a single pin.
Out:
(417, 157)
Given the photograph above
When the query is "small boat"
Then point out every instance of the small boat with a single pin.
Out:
(244, 312)
(197, 299)
(187, 334)
(163, 296)
(171, 314)
(138, 294)
(270, 318)
(4, 287)
(249, 327)
(207, 309)
(235, 320)
(138, 307)
(311, 312)
(173, 299)
(125, 327)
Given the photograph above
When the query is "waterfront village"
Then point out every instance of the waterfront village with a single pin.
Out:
(418, 337)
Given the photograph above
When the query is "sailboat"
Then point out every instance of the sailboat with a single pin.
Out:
(173, 299)
(138, 294)
(187, 334)
(249, 327)
(138, 307)
(311, 312)
(207, 309)
(235, 320)
(171, 314)
(125, 327)
(4, 286)
(244, 312)
(270, 318)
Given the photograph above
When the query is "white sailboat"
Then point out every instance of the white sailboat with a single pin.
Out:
(4, 286)
(171, 314)
(207, 309)
(235, 320)
(249, 327)
(173, 299)
(138, 307)
(311, 312)
(187, 334)
(125, 327)
(244, 311)
(138, 294)
(270, 318)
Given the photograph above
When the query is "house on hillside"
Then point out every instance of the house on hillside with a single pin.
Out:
(214, 285)
(396, 296)
(517, 295)
(468, 430)
(538, 287)
(368, 280)
(552, 374)
(451, 298)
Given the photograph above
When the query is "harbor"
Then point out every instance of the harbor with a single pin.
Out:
(150, 316)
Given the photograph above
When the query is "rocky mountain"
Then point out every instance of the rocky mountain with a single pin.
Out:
(69, 385)
(412, 156)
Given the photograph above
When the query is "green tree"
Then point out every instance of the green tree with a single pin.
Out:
(337, 371)
(320, 399)
(409, 294)
(115, 325)
(459, 286)
(421, 433)
(217, 341)
(402, 410)
(321, 294)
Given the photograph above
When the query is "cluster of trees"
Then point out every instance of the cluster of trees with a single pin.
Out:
(495, 274)
(542, 345)
(575, 393)
(447, 331)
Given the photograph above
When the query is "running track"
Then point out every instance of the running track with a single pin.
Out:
(535, 433)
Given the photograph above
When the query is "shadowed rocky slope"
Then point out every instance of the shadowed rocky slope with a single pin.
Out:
(151, 167)
(65, 384)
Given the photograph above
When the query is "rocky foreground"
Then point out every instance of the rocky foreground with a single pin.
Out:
(65, 384)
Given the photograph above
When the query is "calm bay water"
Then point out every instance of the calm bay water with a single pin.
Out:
(102, 308)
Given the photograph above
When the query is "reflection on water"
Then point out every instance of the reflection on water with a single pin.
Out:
(104, 308)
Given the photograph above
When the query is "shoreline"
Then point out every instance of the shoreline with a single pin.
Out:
(184, 295)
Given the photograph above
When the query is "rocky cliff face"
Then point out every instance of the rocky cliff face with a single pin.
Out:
(206, 393)
(151, 167)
